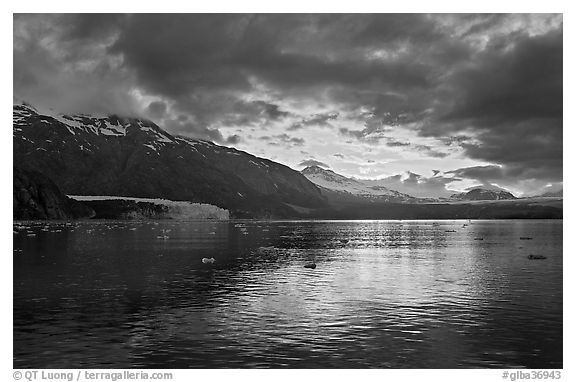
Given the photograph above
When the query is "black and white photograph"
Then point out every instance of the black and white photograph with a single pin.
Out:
(287, 191)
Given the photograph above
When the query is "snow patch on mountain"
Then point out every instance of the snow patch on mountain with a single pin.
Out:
(484, 193)
(112, 126)
(143, 152)
(336, 182)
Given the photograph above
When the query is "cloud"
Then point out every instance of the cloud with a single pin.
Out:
(321, 119)
(157, 109)
(521, 180)
(513, 109)
(480, 173)
(487, 86)
(190, 129)
(374, 130)
(429, 151)
(283, 139)
(418, 185)
(394, 143)
(57, 66)
(233, 139)
(270, 111)
(312, 162)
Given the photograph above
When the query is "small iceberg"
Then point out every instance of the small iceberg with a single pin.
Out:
(163, 236)
(207, 260)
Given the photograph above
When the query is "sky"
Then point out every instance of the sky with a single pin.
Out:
(428, 103)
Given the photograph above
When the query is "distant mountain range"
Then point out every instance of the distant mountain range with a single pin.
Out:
(556, 194)
(352, 198)
(131, 157)
(338, 187)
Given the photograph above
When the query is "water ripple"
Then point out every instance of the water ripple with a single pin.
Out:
(383, 294)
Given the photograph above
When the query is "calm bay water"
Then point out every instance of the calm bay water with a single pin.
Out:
(400, 294)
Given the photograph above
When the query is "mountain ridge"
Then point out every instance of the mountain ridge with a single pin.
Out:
(480, 193)
(344, 186)
(554, 194)
(132, 157)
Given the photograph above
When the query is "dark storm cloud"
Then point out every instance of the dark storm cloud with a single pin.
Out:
(270, 111)
(157, 109)
(429, 151)
(205, 62)
(394, 143)
(190, 129)
(226, 110)
(511, 98)
(508, 175)
(512, 84)
(60, 62)
(397, 29)
(481, 173)
(374, 135)
(233, 139)
(312, 162)
(532, 181)
(89, 27)
(290, 141)
(373, 131)
(420, 186)
(282, 139)
(488, 84)
(321, 119)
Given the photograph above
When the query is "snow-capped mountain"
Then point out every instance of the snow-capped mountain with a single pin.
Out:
(332, 181)
(484, 193)
(86, 155)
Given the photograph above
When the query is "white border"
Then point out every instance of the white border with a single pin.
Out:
(300, 6)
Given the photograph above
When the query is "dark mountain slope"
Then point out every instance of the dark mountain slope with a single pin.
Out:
(37, 197)
(131, 157)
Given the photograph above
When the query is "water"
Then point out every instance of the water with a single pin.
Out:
(385, 294)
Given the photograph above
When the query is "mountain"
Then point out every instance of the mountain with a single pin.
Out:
(113, 156)
(118, 156)
(484, 193)
(337, 186)
(556, 194)
(37, 197)
(363, 199)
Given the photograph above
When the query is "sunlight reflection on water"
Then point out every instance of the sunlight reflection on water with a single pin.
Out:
(403, 294)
